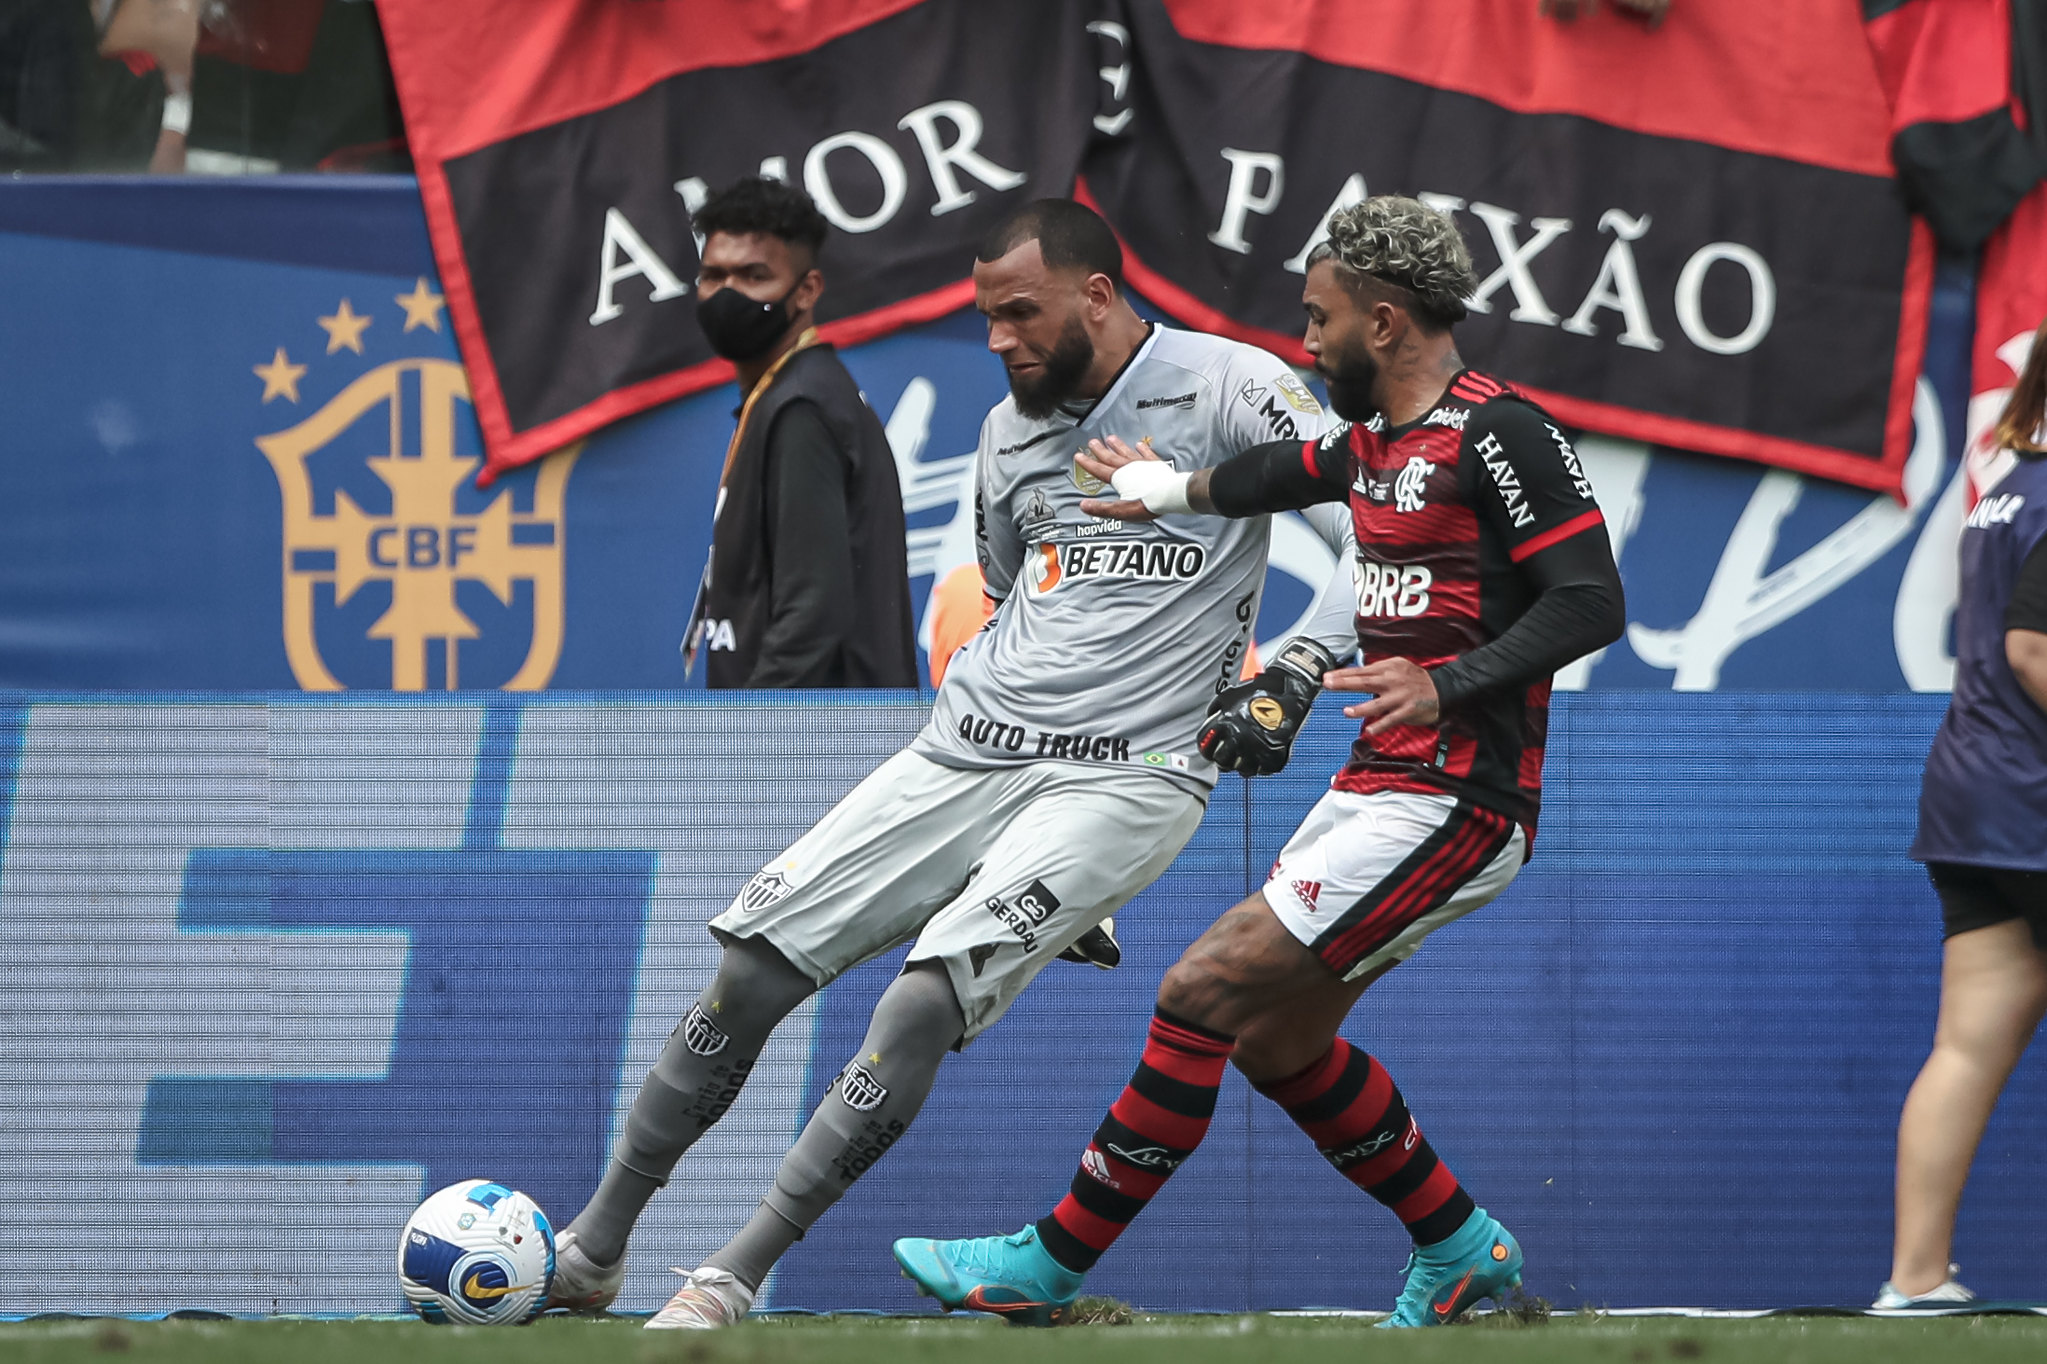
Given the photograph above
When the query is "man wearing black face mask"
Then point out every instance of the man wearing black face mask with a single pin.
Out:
(808, 582)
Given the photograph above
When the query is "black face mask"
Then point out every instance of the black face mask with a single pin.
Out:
(740, 328)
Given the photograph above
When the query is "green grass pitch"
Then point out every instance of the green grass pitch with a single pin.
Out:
(959, 1340)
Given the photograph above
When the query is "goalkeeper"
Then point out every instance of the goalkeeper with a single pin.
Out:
(1483, 566)
(1056, 779)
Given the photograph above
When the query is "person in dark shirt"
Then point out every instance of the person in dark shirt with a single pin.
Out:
(808, 581)
(1483, 565)
(1983, 838)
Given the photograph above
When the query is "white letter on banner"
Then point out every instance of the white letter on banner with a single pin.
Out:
(966, 121)
(1117, 77)
(1529, 304)
(895, 182)
(620, 238)
(1619, 285)
(1353, 192)
(1240, 201)
(1742, 601)
(1691, 282)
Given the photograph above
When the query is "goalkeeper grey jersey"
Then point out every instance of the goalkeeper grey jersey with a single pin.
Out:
(1112, 637)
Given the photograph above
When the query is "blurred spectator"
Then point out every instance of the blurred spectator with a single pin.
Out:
(63, 106)
(295, 85)
(808, 583)
(199, 85)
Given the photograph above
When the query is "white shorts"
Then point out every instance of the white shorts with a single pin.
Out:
(1367, 877)
(993, 871)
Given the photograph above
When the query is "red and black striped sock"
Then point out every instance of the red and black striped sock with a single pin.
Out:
(1350, 1109)
(1155, 1125)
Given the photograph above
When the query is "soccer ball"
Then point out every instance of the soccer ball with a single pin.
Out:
(477, 1253)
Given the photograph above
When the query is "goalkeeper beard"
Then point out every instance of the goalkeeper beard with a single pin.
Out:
(1059, 375)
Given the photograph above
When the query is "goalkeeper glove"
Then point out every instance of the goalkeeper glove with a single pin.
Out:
(1251, 727)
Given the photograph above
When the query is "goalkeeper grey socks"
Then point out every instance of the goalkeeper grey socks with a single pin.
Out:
(698, 1075)
(869, 1106)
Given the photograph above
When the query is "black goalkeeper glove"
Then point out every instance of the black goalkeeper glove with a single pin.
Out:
(1251, 727)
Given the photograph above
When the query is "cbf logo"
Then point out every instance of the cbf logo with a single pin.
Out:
(398, 571)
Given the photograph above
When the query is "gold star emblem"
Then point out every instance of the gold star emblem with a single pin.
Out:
(344, 328)
(873, 1058)
(280, 376)
(422, 307)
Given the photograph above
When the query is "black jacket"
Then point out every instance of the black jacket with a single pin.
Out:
(809, 575)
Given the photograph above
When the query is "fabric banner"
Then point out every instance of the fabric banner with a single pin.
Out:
(562, 144)
(1689, 236)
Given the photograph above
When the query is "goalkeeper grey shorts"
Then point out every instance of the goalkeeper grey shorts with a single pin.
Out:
(992, 871)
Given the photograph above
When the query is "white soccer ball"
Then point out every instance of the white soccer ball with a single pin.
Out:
(477, 1253)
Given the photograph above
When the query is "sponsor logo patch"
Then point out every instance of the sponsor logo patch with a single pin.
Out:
(1340, 1156)
(1452, 417)
(1267, 712)
(1506, 480)
(1577, 472)
(1025, 912)
(769, 886)
(861, 1091)
(1135, 560)
(1089, 485)
(1996, 510)
(1097, 1167)
(700, 1034)
(1392, 589)
(1309, 891)
(1037, 513)
(1409, 485)
(1271, 405)
(1146, 1157)
(1297, 395)
(1183, 401)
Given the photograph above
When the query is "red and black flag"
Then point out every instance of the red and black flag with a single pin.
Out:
(561, 145)
(1963, 156)
(1688, 235)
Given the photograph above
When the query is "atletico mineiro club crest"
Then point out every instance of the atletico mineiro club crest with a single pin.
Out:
(416, 533)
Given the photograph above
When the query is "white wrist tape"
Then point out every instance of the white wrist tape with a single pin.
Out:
(1161, 487)
(177, 113)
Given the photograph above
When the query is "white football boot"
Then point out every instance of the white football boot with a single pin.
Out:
(709, 1298)
(1949, 1295)
(580, 1283)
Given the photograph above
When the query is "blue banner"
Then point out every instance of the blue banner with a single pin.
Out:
(277, 966)
(239, 454)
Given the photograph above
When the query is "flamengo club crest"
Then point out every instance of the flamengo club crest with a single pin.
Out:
(400, 522)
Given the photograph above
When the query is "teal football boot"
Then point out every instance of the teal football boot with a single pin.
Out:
(1013, 1277)
(1479, 1260)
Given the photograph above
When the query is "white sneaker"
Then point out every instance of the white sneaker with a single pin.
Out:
(580, 1283)
(1949, 1294)
(709, 1298)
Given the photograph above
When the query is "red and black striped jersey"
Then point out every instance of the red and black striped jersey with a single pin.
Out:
(1447, 509)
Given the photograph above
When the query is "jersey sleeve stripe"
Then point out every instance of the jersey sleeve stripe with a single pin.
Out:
(1556, 535)
(1308, 458)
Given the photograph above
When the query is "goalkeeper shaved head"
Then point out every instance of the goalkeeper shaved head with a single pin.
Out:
(1049, 279)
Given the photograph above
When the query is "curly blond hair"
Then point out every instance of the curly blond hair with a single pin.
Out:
(1409, 245)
